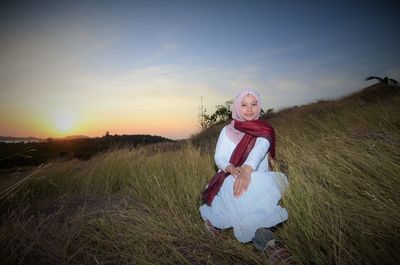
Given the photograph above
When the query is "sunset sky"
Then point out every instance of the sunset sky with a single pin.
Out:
(142, 67)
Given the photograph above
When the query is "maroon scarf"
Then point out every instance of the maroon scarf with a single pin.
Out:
(252, 130)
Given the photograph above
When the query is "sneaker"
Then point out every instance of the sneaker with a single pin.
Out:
(263, 238)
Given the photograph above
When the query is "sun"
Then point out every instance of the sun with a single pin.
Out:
(64, 121)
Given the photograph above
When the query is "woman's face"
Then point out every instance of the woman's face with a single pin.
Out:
(249, 108)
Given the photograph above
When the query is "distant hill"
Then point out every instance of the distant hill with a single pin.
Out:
(71, 137)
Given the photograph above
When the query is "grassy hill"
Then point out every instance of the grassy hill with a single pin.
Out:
(140, 206)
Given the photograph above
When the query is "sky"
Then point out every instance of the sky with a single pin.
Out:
(146, 67)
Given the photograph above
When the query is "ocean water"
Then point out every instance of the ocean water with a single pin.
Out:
(20, 141)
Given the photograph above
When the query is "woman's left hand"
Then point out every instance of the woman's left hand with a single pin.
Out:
(242, 181)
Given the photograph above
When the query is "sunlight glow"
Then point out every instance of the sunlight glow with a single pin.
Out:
(64, 121)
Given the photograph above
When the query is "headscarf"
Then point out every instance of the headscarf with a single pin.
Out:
(233, 134)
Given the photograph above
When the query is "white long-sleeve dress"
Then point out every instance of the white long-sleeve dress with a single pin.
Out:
(258, 206)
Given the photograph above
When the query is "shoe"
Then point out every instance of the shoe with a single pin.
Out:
(263, 238)
(212, 230)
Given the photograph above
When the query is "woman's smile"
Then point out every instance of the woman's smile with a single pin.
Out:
(249, 108)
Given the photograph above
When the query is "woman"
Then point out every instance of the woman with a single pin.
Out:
(249, 196)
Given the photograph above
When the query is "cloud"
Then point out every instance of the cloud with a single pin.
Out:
(394, 73)
(106, 42)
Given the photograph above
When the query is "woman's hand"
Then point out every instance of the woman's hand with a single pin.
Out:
(242, 181)
(234, 171)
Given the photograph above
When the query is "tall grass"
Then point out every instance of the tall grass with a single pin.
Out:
(343, 163)
(127, 206)
(140, 206)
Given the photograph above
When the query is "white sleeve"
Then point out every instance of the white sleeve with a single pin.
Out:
(220, 157)
(258, 153)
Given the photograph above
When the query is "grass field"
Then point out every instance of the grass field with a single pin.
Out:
(140, 206)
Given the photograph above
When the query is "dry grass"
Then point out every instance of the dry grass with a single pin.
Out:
(343, 165)
(140, 206)
(126, 206)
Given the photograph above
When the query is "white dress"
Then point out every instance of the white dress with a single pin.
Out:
(258, 206)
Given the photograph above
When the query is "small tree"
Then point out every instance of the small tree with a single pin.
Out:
(221, 114)
(267, 114)
(203, 117)
(386, 80)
